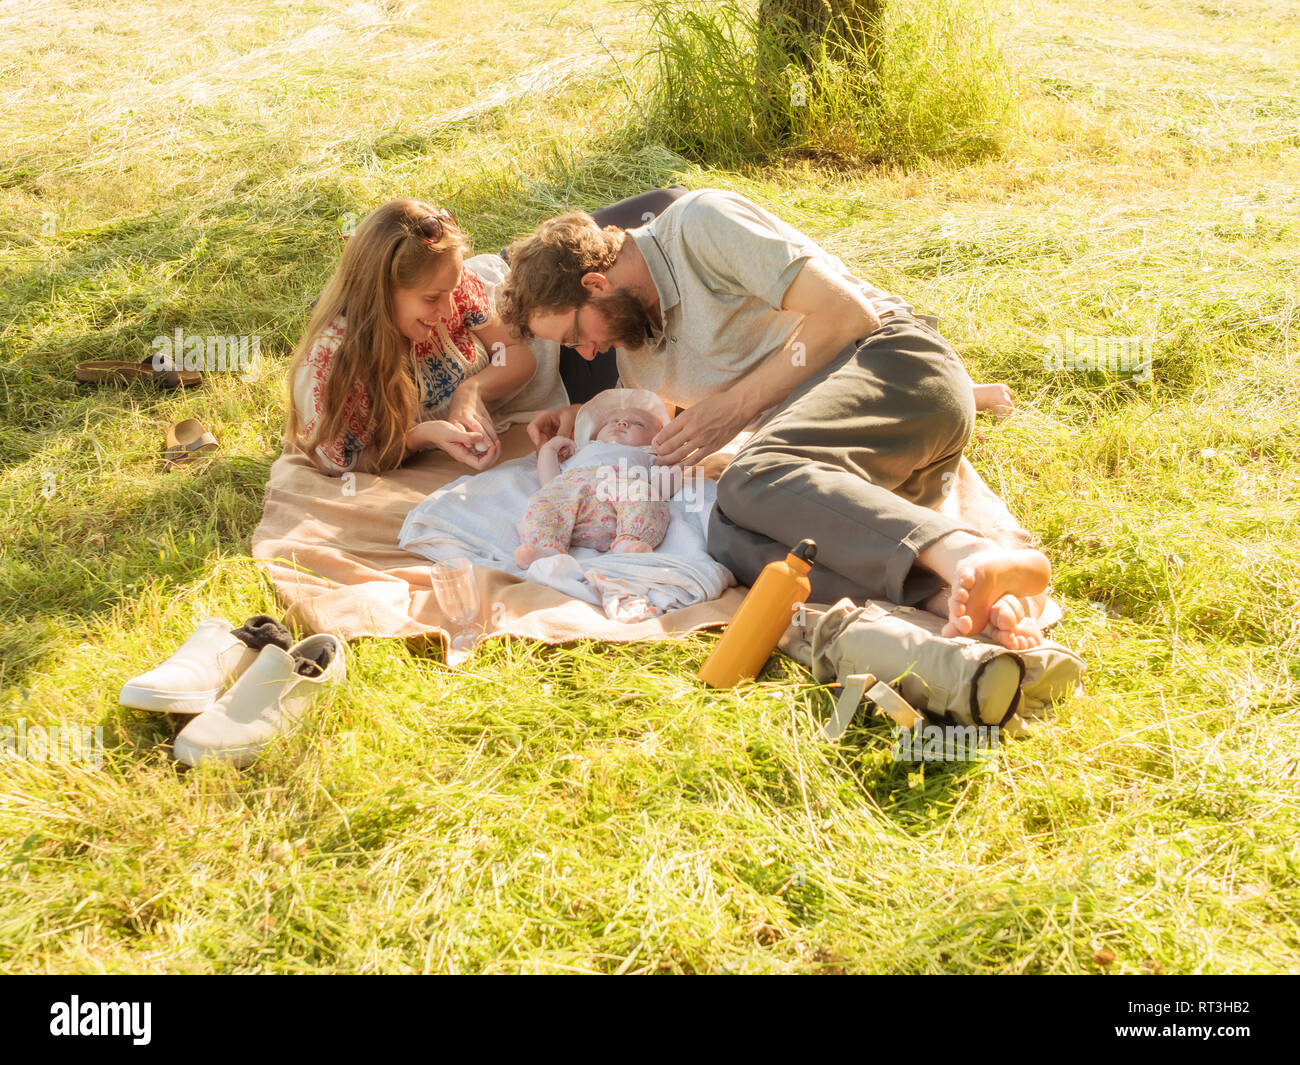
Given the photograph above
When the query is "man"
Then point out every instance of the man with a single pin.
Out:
(862, 409)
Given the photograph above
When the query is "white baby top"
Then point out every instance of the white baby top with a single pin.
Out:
(600, 454)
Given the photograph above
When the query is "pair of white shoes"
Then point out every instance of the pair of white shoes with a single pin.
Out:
(241, 698)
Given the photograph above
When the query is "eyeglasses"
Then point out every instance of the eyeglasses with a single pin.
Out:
(574, 342)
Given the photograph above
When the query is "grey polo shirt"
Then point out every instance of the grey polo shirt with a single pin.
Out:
(721, 266)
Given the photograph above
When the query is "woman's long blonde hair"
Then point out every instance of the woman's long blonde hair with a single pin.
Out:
(391, 248)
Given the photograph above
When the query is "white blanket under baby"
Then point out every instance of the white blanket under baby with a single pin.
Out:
(477, 517)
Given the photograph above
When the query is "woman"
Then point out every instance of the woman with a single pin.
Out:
(403, 351)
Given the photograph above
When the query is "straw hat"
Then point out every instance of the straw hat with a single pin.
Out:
(594, 412)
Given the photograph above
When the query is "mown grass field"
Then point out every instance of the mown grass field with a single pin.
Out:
(592, 807)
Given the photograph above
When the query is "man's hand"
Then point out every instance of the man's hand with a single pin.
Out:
(556, 422)
(700, 430)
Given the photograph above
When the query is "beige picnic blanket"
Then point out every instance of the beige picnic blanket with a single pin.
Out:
(329, 545)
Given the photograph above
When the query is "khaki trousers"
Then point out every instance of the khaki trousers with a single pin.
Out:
(857, 458)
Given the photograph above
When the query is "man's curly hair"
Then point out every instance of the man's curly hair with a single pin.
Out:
(546, 269)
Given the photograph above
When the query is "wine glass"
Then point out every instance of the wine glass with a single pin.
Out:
(457, 593)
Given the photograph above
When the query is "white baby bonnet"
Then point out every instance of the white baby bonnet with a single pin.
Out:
(601, 406)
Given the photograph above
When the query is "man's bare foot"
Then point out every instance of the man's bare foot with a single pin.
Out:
(634, 547)
(998, 399)
(1009, 622)
(1011, 625)
(983, 578)
(527, 554)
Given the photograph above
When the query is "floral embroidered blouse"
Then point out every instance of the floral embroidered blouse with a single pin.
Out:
(441, 365)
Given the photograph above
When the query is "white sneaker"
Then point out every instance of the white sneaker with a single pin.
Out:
(192, 678)
(266, 700)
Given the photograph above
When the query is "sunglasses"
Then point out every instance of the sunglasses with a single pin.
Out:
(432, 228)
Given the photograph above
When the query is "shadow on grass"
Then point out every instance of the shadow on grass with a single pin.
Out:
(909, 781)
(75, 561)
(249, 265)
(224, 267)
(502, 206)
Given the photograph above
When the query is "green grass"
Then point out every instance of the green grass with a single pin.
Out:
(727, 84)
(591, 807)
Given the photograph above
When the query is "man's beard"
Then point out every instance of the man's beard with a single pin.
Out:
(629, 324)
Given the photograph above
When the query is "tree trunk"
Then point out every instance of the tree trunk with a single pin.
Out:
(845, 26)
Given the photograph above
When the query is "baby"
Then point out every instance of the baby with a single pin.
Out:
(571, 510)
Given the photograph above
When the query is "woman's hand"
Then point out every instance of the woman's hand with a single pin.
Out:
(699, 431)
(469, 412)
(454, 440)
(550, 423)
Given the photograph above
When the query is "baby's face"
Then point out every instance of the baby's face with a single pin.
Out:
(633, 427)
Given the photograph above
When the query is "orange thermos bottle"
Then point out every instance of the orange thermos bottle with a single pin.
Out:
(761, 620)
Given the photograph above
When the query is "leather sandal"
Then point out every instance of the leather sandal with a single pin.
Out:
(115, 372)
(185, 441)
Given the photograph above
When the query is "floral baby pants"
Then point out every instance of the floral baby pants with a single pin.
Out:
(569, 512)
